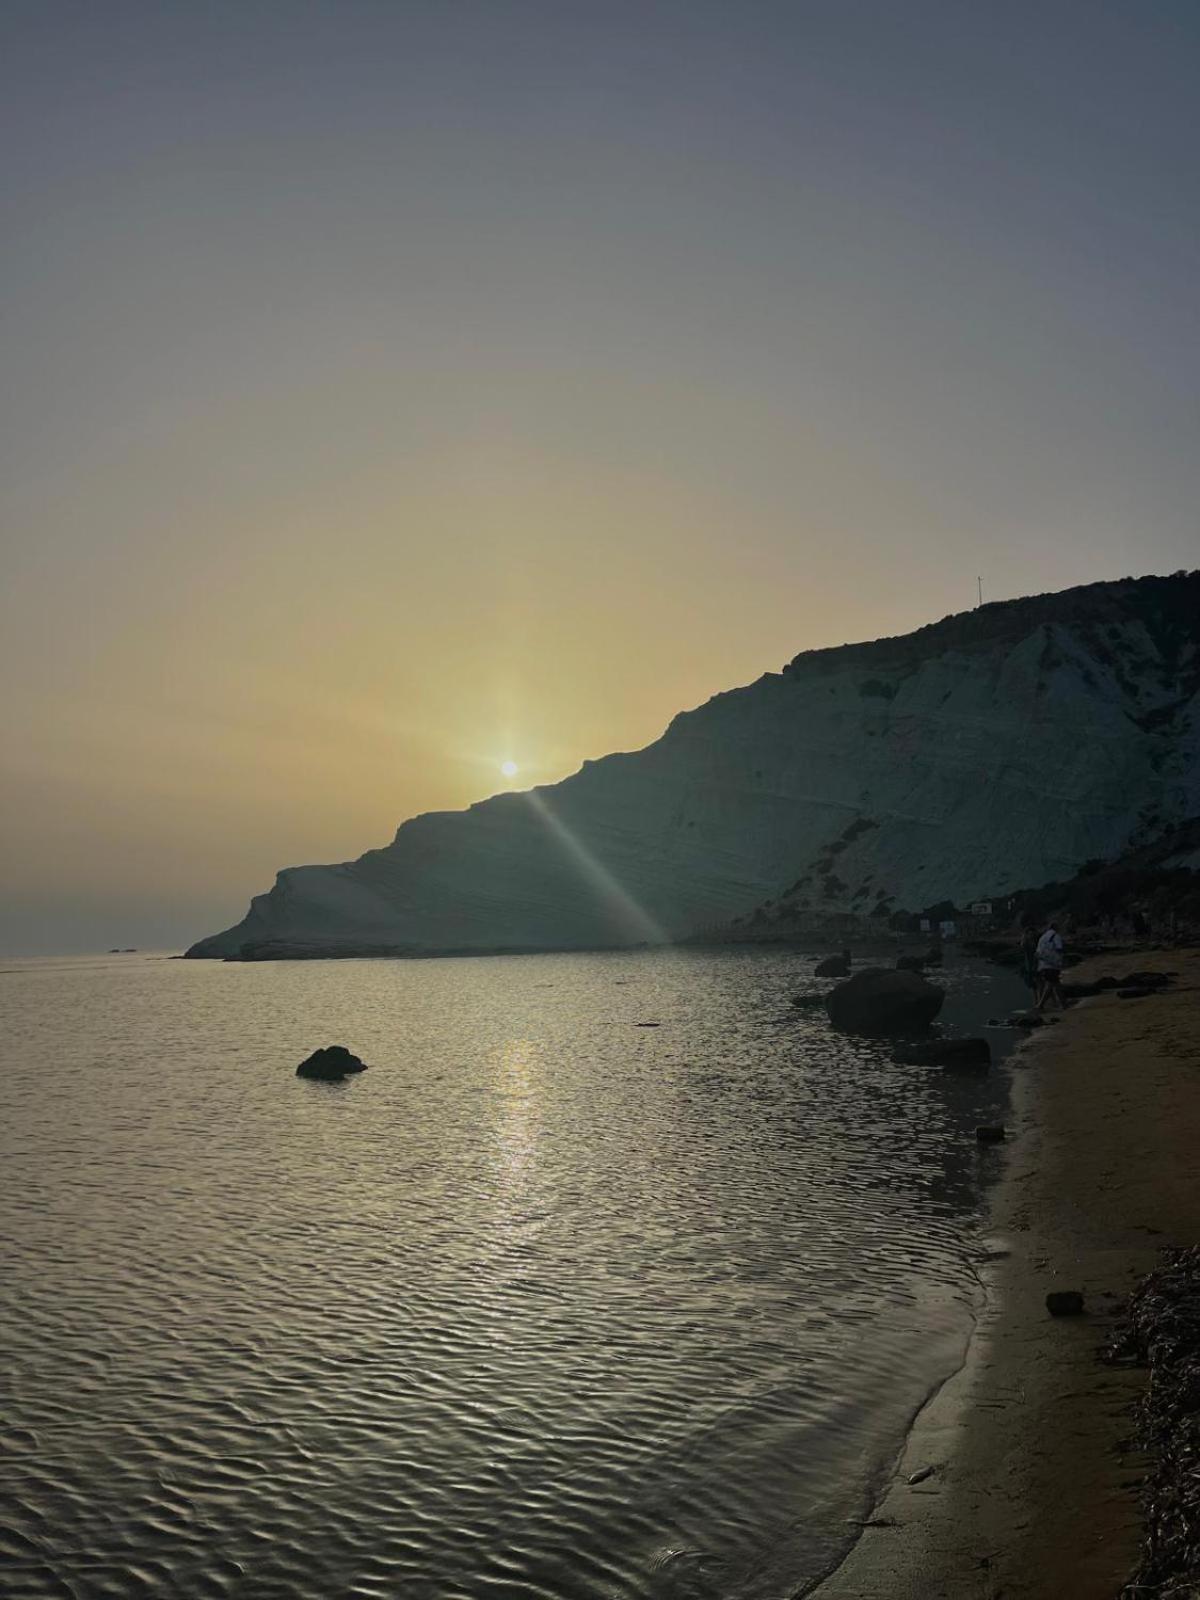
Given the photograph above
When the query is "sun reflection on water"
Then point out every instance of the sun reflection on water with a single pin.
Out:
(517, 1116)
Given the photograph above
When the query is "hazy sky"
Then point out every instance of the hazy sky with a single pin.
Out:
(395, 388)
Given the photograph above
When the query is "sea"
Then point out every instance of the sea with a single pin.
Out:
(615, 1277)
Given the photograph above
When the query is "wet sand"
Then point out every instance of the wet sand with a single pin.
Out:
(1033, 1492)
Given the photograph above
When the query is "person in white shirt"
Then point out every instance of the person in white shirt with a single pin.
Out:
(1050, 965)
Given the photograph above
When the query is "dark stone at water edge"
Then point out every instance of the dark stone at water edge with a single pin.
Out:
(910, 963)
(1143, 983)
(330, 1065)
(833, 966)
(990, 1133)
(881, 1000)
(1064, 1303)
(949, 1053)
(1134, 994)
(1085, 991)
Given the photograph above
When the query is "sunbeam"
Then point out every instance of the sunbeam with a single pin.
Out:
(639, 924)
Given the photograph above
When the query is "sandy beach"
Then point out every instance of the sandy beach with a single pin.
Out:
(1019, 1477)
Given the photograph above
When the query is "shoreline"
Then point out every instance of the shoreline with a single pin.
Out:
(1027, 1486)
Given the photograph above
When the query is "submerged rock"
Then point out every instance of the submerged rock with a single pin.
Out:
(882, 1000)
(990, 1132)
(948, 1053)
(330, 1064)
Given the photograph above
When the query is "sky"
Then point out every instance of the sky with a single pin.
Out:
(399, 388)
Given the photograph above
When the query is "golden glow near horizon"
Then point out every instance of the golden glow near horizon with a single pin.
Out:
(414, 392)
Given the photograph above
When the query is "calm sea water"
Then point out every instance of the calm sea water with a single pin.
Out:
(545, 1305)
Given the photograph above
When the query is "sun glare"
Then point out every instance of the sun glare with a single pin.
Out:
(509, 769)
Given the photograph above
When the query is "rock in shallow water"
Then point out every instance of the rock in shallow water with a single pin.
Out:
(881, 1000)
(949, 1053)
(330, 1064)
(1064, 1303)
(833, 966)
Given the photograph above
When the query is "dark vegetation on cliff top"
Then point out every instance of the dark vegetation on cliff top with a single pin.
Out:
(1167, 607)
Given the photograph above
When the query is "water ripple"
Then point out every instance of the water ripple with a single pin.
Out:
(544, 1305)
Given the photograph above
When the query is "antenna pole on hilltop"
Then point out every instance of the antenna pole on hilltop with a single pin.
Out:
(979, 581)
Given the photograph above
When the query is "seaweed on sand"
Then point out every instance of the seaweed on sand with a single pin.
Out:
(1163, 1333)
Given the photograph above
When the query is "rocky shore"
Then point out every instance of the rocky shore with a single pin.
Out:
(1023, 1477)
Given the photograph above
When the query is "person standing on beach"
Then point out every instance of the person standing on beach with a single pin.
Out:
(1050, 965)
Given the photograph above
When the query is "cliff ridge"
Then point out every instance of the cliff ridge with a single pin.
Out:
(995, 749)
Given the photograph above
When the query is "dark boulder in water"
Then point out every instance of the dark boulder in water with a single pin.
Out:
(834, 966)
(1064, 1303)
(330, 1065)
(950, 1053)
(990, 1133)
(910, 963)
(882, 1000)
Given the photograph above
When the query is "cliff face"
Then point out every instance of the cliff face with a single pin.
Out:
(996, 749)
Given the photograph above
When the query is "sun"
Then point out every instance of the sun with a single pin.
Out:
(509, 769)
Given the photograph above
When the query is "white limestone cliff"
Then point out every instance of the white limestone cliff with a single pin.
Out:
(996, 749)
